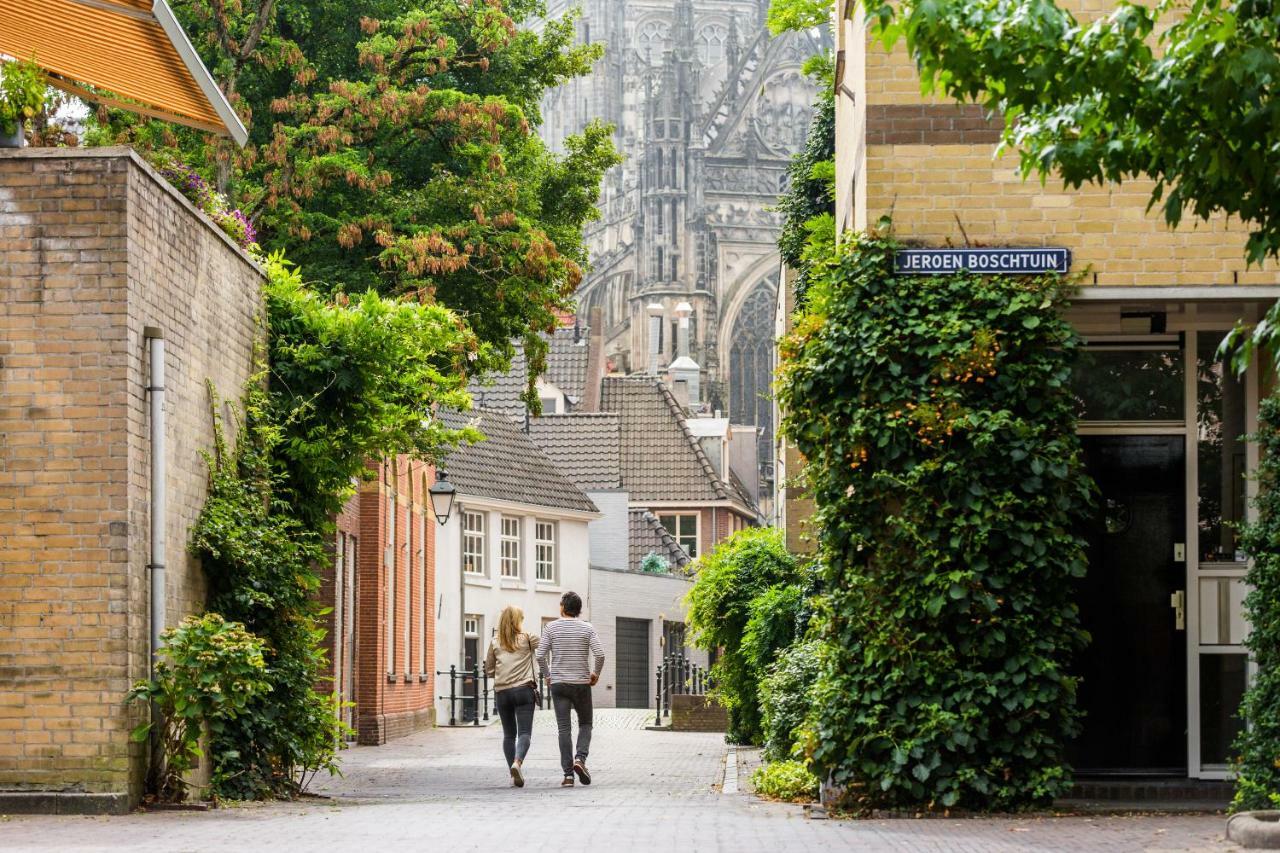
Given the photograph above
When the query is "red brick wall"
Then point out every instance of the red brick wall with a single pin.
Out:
(393, 699)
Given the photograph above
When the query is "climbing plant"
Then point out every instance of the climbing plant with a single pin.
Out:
(1258, 745)
(939, 436)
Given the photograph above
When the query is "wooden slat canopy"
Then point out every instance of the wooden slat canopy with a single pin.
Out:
(132, 49)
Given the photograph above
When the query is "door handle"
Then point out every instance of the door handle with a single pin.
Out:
(1178, 601)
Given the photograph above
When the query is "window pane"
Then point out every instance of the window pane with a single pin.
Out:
(1129, 384)
(1222, 684)
(1220, 429)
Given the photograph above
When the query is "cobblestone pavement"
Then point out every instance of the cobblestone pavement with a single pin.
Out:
(447, 790)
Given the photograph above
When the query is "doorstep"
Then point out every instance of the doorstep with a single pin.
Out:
(1147, 793)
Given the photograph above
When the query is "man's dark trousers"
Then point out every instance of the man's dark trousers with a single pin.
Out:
(577, 697)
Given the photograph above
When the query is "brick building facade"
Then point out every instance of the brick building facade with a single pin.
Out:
(94, 248)
(380, 586)
(1162, 420)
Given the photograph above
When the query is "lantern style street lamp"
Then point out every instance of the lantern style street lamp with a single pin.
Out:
(442, 494)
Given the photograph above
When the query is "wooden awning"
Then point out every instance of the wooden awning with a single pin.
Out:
(130, 54)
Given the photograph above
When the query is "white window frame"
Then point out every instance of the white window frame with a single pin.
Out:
(509, 547)
(473, 543)
(679, 537)
(545, 551)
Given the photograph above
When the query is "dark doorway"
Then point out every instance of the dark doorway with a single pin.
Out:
(633, 663)
(1134, 676)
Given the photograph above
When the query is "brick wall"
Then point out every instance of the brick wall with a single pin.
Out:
(94, 247)
(930, 163)
(695, 713)
(395, 693)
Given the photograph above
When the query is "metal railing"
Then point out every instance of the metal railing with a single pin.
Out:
(678, 676)
(468, 691)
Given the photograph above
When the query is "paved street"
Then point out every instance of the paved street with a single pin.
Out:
(653, 791)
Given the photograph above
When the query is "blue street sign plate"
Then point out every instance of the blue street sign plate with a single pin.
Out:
(988, 261)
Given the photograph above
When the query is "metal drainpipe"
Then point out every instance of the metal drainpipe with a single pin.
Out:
(159, 498)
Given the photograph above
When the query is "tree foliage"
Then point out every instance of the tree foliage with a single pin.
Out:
(341, 384)
(939, 437)
(729, 578)
(1258, 745)
(807, 208)
(393, 147)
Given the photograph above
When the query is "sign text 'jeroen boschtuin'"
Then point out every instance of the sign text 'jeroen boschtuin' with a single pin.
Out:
(991, 261)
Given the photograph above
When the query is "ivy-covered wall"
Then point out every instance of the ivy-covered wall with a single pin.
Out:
(938, 429)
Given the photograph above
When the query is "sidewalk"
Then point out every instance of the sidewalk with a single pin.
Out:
(654, 792)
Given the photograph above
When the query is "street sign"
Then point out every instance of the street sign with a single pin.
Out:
(989, 261)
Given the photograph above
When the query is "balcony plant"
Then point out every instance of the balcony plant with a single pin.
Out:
(22, 97)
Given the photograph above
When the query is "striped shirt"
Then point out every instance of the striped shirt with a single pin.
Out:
(568, 642)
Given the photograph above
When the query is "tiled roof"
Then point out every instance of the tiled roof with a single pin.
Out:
(567, 363)
(648, 536)
(585, 447)
(661, 460)
(508, 466)
(566, 369)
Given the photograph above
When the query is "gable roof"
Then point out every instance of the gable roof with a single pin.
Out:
(661, 460)
(566, 369)
(586, 447)
(507, 465)
(648, 536)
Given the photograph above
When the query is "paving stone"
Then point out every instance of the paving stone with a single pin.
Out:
(447, 789)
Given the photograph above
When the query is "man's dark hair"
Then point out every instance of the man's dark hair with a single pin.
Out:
(571, 603)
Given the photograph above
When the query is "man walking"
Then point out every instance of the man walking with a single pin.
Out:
(568, 641)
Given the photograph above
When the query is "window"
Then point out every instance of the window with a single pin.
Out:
(473, 542)
(684, 528)
(510, 547)
(544, 559)
(550, 405)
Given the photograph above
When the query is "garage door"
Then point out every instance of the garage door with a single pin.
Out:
(634, 676)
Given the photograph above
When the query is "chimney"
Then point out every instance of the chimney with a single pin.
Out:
(655, 310)
(684, 372)
(596, 365)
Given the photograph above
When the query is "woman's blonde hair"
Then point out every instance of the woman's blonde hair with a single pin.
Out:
(510, 624)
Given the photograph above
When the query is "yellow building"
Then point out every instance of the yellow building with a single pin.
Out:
(1161, 420)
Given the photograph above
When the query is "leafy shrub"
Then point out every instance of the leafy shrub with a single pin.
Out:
(208, 672)
(773, 623)
(729, 578)
(1258, 745)
(785, 697)
(938, 427)
(22, 94)
(792, 781)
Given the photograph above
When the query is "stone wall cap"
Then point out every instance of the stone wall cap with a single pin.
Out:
(127, 152)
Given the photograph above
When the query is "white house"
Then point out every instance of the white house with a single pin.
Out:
(517, 535)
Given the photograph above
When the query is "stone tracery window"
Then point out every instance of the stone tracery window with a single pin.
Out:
(710, 44)
(751, 365)
(651, 35)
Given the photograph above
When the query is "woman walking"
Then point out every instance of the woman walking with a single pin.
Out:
(510, 663)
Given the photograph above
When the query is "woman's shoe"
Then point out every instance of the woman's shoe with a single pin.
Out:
(517, 775)
(580, 767)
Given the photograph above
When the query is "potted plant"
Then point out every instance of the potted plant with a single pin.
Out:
(22, 97)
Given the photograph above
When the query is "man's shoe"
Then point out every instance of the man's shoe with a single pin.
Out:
(580, 768)
(517, 776)
(567, 782)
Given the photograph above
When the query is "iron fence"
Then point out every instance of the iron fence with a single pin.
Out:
(678, 676)
(469, 692)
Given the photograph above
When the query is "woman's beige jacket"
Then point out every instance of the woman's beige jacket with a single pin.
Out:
(512, 669)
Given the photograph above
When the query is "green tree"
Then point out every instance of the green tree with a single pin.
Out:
(729, 579)
(393, 147)
(1181, 93)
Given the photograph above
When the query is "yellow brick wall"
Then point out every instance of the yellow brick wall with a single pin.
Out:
(93, 248)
